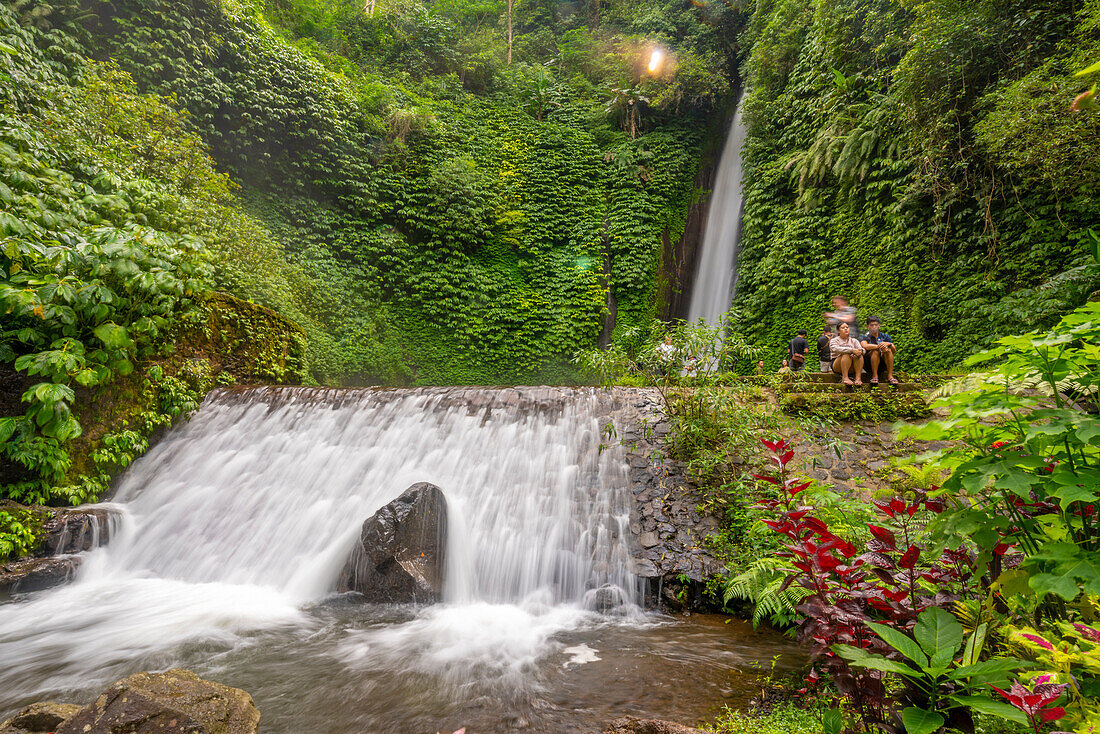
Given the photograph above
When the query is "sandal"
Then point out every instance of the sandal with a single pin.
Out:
(893, 380)
(874, 380)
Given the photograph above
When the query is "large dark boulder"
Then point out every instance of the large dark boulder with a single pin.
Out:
(174, 702)
(401, 552)
(35, 574)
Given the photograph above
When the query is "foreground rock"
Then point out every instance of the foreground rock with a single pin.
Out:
(634, 725)
(173, 702)
(39, 717)
(35, 574)
(400, 556)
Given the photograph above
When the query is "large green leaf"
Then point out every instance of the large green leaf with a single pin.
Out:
(888, 666)
(986, 705)
(936, 630)
(900, 642)
(992, 671)
(113, 336)
(920, 721)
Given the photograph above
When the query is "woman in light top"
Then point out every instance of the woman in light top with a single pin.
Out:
(847, 355)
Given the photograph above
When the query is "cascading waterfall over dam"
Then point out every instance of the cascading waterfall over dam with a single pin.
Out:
(244, 516)
(716, 276)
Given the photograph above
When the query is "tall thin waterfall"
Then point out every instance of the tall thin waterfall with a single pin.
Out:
(716, 278)
(245, 515)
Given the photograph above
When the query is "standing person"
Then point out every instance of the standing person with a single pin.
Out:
(824, 356)
(842, 313)
(796, 350)
(760, 367)
(880, 350)
(847, 355)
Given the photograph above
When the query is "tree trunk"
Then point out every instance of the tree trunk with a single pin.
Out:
(510, 2)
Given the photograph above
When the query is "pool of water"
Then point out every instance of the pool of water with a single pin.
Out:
(342, 667)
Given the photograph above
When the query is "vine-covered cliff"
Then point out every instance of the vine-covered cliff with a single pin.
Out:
(922, 159)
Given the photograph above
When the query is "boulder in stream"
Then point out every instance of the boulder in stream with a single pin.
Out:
(634, 725)
(401, 551)
(174, 702)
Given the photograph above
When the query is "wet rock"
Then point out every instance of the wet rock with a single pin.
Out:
(648, 539)
(634, 725)
(35, 574)
(74, 531)
(841, 475)
(605, 599)
(174, 702)
(400, 557)
(643, 567)
(876, 465)
(39, 717)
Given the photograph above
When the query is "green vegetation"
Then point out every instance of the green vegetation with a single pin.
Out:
(462, 202)
(922, 159)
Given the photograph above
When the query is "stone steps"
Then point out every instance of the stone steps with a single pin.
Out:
(839, 387)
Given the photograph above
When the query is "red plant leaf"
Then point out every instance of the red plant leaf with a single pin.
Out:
(1052, 714)
(883, 535)
(774, 446)
(910, 558)
(798, 488)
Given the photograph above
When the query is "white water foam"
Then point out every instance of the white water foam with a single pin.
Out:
(245, 515)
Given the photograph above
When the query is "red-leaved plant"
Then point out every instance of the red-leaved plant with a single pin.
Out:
(850, 587)
(1035, 703)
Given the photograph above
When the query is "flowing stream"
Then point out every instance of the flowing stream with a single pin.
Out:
(716, 277)
(233, 530)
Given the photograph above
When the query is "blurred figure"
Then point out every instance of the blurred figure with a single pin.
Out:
(824, 355)
(842, 313)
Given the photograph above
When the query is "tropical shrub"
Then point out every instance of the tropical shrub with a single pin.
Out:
(1025, 462)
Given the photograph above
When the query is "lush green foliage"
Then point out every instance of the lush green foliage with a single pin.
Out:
(92, 270)
(920, 158)
(106, 207)
(1027, 464)
(463, 217)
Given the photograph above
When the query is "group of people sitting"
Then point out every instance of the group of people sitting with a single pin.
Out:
(840, 350)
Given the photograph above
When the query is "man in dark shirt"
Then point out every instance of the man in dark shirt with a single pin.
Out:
(880, 350)
(797, 351)
(824, 354)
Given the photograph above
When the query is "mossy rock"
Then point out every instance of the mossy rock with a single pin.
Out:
(873, 406)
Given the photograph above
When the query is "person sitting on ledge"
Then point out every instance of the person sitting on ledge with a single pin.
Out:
(880, 350)
(847, 355)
